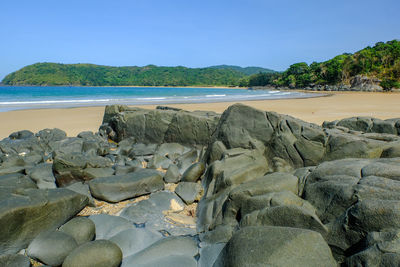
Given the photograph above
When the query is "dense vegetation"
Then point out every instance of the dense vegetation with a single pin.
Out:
(96, 75)
(246, 70)
(381, 61)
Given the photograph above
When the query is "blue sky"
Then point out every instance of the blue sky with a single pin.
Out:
(272, 34)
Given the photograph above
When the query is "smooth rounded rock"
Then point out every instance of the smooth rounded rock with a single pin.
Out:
(99, 253)
(194, 172)
(81, 229)
(51, 247)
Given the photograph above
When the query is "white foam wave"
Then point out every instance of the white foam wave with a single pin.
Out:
(215, 95)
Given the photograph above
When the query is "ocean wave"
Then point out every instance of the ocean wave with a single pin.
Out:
(215, 95)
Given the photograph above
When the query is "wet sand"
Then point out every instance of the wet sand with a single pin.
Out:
(316, 110)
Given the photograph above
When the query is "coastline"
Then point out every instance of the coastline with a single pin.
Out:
(315, 109)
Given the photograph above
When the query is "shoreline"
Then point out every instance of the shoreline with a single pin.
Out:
(335, 105)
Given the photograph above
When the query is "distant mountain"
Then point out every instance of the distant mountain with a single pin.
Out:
(245, 70)
(97, 75)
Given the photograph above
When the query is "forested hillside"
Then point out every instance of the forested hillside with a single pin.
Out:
(381, 61)
(97, 75)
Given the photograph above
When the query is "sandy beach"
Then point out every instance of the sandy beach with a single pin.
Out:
(316, 110)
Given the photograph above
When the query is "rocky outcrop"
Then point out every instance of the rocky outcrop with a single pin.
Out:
(159, 125)
(250, 188)
(364, 83)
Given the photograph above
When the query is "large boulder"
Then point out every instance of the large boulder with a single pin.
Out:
(51, 247)
(117, 188)
(275, 246)
(26, 214)
(170, 251)
(160, 125)
(354, 198)
(99, 253)
(295, 141)
(70, 168)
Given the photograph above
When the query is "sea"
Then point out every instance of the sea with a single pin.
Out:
(39, 97)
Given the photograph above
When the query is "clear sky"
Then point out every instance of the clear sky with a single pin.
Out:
(193, 33)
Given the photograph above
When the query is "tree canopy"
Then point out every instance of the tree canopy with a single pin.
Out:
(381, 61)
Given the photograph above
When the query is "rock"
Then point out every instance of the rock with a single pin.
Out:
(14, 260)
(170, 150)
(275, 246)
(69, 168)
(93, 173)
(139, 150)
(134, 240)
(364, 83)
(217, 149)
(108, 226)
(381, 249)
(117, 188)
(176, 250)
(82, 189)
(172, 175)
(160, 126)
(68, 146)
(194, 172)
(99, 253)
(186, 160)
(51, 247)
(220, 178)
(81, 229)
(189, 192)
(43, 175)
(20, 146)
(287, 215)
(158, 213)
(159, 161)
(51, 135)
(14, 182)
(121, 170)
(42, 209)
(209, 254)
(24, 134)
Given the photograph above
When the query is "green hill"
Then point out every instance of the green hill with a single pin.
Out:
(381, 61)
(97, 75)
(246, 70)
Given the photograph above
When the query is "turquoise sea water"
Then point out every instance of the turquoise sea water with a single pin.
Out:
(32, 97)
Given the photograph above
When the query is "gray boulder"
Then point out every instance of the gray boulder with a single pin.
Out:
(275, 246)
(43, 175)
(176, 250)
(160, 125)
(14, 260)
(51, 247)
(24, 134)
(99, 253)
(69, 168)
(42, 210)
(81, 229)
(108, 226)
(133, 240)
(117, 188)
(189, 192)
(288, 215)
(83, 189)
